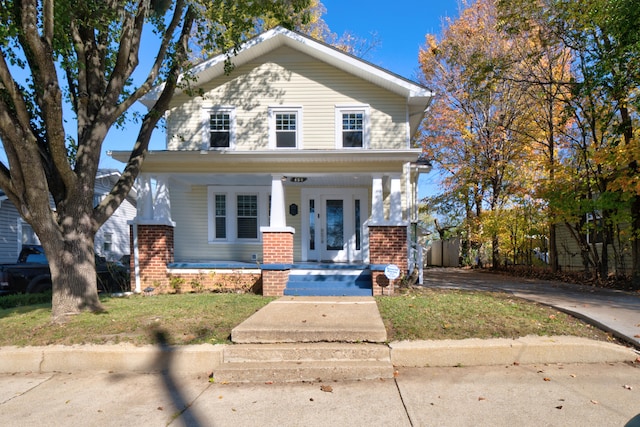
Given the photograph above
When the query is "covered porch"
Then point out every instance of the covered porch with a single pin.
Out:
(308, 219)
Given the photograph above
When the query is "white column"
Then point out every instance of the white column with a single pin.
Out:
(162, 206)
(395, 199)
(145, 197)
(377, 207)
(278, 216)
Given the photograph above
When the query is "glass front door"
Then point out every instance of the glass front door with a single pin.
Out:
(333, 230)
(334, 247)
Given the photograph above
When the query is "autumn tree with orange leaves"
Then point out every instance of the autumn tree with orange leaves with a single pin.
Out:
(475, 131)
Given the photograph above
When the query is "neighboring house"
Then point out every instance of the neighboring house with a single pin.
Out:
(302, 157)
(112, 240)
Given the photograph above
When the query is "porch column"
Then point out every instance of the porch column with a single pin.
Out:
(162, 205)
(395, 199)
(388, 245)
(377, 206)
(278, 215)
(145, 197)
(151, 234)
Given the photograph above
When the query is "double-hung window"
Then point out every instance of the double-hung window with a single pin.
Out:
(247, 220)
(220, 127)
(352, 127)
(285, 127)
(236, 213)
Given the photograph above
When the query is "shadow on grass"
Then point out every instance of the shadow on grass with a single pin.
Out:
(165, 357)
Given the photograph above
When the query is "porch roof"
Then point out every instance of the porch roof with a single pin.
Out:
(267, 161)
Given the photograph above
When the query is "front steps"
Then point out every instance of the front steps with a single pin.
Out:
(308, 339)
(278, 363)
(330, 281)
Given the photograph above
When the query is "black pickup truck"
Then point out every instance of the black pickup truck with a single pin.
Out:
(31, 274)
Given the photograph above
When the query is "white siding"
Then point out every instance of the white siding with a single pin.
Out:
(287, 77)
(8, 232)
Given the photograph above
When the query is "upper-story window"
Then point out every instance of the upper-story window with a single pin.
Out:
(285, 127)
(221, 123)
(352, 126)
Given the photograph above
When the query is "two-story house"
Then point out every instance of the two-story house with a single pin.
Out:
(299, 160)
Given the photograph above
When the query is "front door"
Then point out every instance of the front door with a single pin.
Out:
(334, 229)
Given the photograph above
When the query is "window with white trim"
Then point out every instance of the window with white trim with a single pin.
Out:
(285, 127)
(107, 242)
(247, 211)
(352, 127)
(220, 128)
(237, 213)
(595, 228)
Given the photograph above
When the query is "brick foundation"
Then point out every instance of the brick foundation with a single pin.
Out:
(387, 245)
(277, 253)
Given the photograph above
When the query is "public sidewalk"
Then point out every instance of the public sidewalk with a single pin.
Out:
(524, 395)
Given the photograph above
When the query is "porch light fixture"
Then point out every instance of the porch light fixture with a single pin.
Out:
(297, 179)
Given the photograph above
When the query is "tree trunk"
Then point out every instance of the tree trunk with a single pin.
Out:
(73, 273)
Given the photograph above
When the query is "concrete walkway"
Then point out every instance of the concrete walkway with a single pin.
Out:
(615, 311)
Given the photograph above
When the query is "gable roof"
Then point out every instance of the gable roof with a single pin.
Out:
(417, 96)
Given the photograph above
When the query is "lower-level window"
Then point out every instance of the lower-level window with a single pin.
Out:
(236, 215)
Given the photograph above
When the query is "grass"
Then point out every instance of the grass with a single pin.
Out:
(424, 313)
(209, 318)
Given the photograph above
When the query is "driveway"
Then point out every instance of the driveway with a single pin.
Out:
(615, 311)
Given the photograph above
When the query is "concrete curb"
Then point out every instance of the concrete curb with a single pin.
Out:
(117, 358)
(500, 351)
(205, 358)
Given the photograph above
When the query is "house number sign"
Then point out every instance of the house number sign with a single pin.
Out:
(392, 272)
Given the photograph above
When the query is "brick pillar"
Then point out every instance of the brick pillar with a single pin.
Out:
(277, 254)
(387, 245)
(155, 251)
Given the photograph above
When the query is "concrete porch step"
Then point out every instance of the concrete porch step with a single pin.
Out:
(312, 320)
(309, 362)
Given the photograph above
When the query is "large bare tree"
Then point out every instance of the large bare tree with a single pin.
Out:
(67, 61)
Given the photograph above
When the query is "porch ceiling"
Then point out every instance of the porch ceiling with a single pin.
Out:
(312, 180)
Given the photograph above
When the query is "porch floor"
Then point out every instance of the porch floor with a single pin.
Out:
(305, 278)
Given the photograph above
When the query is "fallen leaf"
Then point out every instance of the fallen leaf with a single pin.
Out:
(516, 363)
(326, 388)
(595, 402)
(395, 374)
(559, 407)
(636, 336)
(482, 398)
(628, 387)
(311, 399)
(160, 408)
(233, 410)
(547, 379)
(268, 382)
(304, 321)
(572, 375)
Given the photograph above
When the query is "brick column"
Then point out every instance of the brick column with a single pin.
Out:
(155, 251)
(387, 245)
(277, 254)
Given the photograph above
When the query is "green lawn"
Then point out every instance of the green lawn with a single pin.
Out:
(209, 318)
